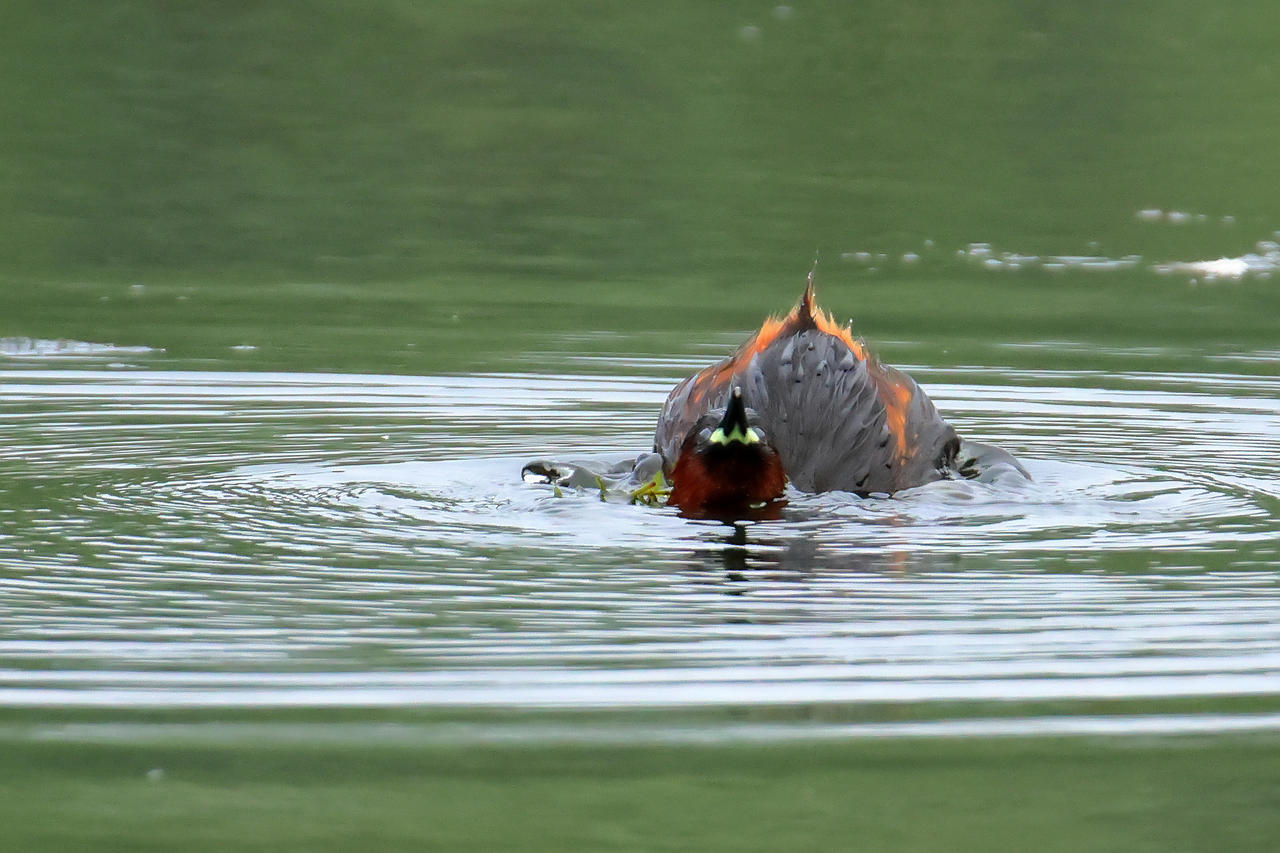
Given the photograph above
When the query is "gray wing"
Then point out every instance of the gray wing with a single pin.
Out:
(841, 422)
(687, 402)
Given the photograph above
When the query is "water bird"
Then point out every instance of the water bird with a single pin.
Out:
(726, 463)
(802, 401)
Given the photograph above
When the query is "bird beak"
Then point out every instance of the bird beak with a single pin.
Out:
(734, 428)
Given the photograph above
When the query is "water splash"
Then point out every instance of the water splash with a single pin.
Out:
(1263, 262)
(28, 348)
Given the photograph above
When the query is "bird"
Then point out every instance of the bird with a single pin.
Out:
(726, 463)
(801, 401)
(801, 404)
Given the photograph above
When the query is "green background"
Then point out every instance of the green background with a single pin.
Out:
(315, 175)
(432, 187)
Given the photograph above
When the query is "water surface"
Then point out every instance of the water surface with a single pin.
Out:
(215, 538)
(290, 291)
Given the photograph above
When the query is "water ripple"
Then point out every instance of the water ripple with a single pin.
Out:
(209, 539)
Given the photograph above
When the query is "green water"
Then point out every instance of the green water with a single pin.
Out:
(1002, 795)
(519, 200)
(356, 168)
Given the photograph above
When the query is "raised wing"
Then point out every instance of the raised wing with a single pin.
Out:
(839, 419)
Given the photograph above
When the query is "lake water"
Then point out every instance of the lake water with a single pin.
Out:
(289, 293)
(236, 538)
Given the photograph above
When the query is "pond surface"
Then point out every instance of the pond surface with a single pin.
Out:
(289, 293)
(180, 538)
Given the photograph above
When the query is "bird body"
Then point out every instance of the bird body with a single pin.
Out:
(838, 418)
(803, 402)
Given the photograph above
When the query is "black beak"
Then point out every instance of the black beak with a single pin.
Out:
(734, 427)
(735, 414)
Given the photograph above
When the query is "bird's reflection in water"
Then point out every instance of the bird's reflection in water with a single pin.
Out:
(742, 553)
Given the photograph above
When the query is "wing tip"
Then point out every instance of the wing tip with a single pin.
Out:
(807, 307)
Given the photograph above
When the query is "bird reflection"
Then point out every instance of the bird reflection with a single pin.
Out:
(742, 552)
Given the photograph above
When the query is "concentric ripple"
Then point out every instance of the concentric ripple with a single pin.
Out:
(198, 539)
